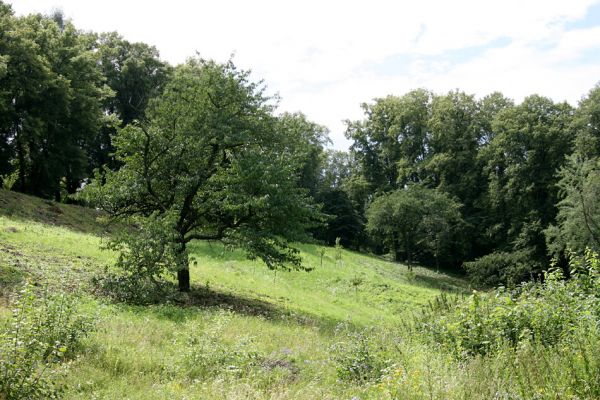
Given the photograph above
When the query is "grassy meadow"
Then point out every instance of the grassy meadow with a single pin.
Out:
(243, 332)
(355, 327)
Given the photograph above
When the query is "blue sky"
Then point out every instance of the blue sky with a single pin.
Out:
(327, 57)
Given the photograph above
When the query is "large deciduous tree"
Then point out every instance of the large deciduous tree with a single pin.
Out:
(307, 142)
(50, 102)
(530, 144)
(413, 221)
(392, 142)
(209, 163)
(578, 221)
(136, 74)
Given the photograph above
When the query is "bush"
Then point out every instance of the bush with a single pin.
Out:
(130, 288)
(41, 332)
(358, 356)
(208, 355)
(544, 313)
(537, 341)
(500, 268)
(569, 370)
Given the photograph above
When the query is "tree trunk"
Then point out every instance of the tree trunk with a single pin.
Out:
(183, 270)
(408, 250)
(183, 277)
(21, 160)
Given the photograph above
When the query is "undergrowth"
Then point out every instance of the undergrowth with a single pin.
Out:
(537, 341)
(42, 331)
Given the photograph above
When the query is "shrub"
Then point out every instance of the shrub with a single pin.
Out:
(537, 341)
(358, 356)
(130, 288)
(41, 332)
(544, 313)
(208, 355)
(500, 268)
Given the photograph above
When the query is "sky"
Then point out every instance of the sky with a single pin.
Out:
(326, 57)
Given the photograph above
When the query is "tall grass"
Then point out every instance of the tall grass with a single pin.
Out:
(356, 327)
(538, 341)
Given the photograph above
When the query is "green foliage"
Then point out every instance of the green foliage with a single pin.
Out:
(196, 152)
(50, 103)
(585, 271)
(578, 221)
(586, 122)
(146, 253)
(530, 144)
(392, 143)
(140, 351)
(455, 134)
(135, 74)
(66, 94)
(337, 169)
(415, 221)
(530, 371)
(305, 148)
(536, 342)
(497, 159)
(210, 163)
(549, 313)
(343, 220)
(130, 287)
(63, 93)
(40, 333)
(357, 356)
(500, 268)
(9, 180)
(208, 355)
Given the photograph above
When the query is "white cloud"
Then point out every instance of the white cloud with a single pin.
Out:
(319, 55)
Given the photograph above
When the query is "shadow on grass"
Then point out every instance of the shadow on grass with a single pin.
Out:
(29, 208)
(440, 282)
(170, 304)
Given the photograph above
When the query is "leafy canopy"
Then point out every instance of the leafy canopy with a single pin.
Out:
(415, 218)
(209, 163)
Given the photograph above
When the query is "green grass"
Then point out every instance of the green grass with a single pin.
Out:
(358, 289)
(245, 332)
(337, 332)
(264, 334)
(17, 206)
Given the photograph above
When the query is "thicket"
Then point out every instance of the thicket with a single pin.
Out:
(42, 332)
(524, 178)
(538, 340)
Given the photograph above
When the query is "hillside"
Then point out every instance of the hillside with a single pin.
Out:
(203, 158)
(243, 331)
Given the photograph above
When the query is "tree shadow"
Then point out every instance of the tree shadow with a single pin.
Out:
(22, 207)
(207, 298)
(170, 304)
(440, 282)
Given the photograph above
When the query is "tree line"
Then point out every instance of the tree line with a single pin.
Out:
(197, 151)
(63, 94)
(497, 188)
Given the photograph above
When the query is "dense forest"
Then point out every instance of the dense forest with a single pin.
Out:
(484, 185)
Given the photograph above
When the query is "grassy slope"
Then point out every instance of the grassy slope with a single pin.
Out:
(289, 318)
